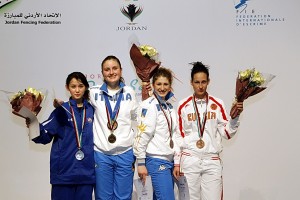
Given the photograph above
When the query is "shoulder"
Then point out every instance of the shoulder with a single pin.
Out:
(149, 102)
(89, 105)
(185, 100)
(60, 112)
(128, 89)
(95, 88)
(148, 106)
(216, 100)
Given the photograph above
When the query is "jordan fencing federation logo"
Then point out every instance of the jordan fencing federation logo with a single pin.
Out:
(131, 12)
(5, 2)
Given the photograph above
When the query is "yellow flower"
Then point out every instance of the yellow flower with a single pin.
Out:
(245, 74)
(31, 90)
(257, 78)
(147, 50)
(34, 92)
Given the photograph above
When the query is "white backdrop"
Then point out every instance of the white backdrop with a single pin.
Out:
(260, 163)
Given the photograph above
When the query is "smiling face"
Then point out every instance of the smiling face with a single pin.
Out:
(112, 73)
(162, 86)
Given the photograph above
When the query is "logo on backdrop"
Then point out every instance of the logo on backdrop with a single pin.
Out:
(5, 3)
(247, 15)
(131, 12)
(94, 78)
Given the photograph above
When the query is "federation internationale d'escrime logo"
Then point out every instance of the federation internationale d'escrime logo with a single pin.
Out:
(248, 16)
(241, 5)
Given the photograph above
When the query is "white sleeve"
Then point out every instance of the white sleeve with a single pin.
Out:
(146, 118)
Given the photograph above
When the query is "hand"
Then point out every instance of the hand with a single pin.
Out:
(27, 121)
(142, 172)
(176, 172)
(236, 109)
(57, 103)
(148, 86)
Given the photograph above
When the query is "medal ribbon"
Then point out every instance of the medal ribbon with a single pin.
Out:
(77, 134)
(169, 122)
(200, 125)
(112, 115)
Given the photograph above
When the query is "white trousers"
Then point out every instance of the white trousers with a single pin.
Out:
(204, 176)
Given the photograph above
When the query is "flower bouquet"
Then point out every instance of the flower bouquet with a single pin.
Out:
(248, 83)
(29, 98)
(145, 61)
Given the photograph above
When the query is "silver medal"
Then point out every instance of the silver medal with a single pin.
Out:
(79, 155)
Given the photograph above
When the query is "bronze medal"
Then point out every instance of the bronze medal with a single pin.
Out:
(112, 138)
(112, 126)
(200, 144)
(171, 144)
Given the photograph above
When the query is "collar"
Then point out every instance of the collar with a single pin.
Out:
(74, 103)
(202, 101)
(168, 96)
(104, 87)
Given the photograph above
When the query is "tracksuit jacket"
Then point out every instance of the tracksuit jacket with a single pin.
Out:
(59, 128)
(125, 131)
(153, 138)
(218, 125)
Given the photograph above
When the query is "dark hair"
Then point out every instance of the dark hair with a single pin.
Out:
(112, 57)
(199, 67)
(79, 76)
(164, 72)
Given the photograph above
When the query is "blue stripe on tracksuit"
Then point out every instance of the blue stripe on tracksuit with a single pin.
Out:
(114, 176)
(162, 180)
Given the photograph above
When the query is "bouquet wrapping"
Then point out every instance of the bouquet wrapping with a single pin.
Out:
(145, 61)
(248, 83)
(29, 98)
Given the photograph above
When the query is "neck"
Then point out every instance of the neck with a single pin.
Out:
(79, 103)
(201, 96)
(113, 86)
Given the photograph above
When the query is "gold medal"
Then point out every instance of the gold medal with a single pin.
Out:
(200, 144)
(171, 144)
(112, 138)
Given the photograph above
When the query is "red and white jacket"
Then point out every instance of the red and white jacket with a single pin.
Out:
(218, 125)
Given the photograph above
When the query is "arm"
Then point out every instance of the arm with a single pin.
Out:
(228, 127)
(178, 141)
(146, 129)
(49, 128)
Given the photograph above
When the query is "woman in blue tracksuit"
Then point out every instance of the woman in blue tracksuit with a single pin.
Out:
(70, 127)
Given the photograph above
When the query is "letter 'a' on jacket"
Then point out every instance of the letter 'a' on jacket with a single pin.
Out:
(59, 128)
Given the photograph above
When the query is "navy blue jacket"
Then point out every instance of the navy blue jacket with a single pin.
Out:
(64, 167)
